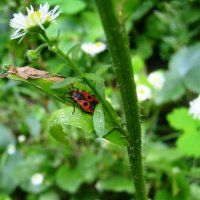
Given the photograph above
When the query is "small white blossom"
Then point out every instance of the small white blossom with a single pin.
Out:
(37, 179)
(98, 186)
(21, 138)
(11, 149)
(176, 170)
(143, 92)
(34, 18)
(93, 48)
(194, 109)
(156, 79)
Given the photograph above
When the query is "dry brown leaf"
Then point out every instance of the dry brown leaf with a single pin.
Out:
(30, 72)
(55, 78)
(27, 72)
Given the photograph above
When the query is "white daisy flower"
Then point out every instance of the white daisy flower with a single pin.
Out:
(35, 18)
(143, 92)
(21, 138)
(98, 186)
(37, 179)
(156, 79)
(11, 149)
(93, 48)
(194, 109)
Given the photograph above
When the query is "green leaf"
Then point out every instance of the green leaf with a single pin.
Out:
(157, 151)
(115, 136)
(117, 183)
(102, 69)
(49, 195)
(6, 137)
(72, 7)
(92, 25)
(58, 133)
(43, 84)
(102, 122)
(99, 121)
(186, 65)
(34, 126)
(184, 72)
(65, 82)
(17, 78)
(69, 7)
(5, 197)
(32, 163)
(144, 46)
(63, 118)
(162, 195)
(36, 189)
(137, 63)
(74, 52)
(180, 115)
(98, 82)
(87, 166)
(172, 90)
(86, 171)
(195, 191)
(68, 179)
(105, 127)
(188, 142)
(180, 189)
(8, 181)
(129, 6)
(142, 9)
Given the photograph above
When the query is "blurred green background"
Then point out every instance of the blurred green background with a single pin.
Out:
(164, 36)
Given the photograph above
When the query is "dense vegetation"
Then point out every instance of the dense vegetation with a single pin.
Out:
(81, 165)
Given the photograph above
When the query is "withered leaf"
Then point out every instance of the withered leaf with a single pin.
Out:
(30, 72)
(27, 72)
(55, 78)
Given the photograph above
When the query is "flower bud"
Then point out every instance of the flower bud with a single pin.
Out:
(33, 55)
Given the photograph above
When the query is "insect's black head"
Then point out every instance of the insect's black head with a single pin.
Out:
(75, 94)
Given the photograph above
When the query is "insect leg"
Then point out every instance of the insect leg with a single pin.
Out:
(73, 107)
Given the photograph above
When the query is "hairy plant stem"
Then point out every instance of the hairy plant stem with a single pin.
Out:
(66, 58)
(118, 46)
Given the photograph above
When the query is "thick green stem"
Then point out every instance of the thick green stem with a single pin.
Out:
(118, 46)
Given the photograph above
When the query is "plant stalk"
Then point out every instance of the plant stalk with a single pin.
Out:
(119, 48)
(66, 58)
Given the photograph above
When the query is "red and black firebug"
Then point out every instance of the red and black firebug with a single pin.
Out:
(86, 101)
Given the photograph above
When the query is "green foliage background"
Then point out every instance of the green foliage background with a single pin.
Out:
(163, 35)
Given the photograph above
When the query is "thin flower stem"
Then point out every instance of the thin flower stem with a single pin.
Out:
(120, 53)
(44, 35)
(66, 58)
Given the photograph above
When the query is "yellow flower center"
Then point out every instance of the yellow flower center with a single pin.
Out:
(142, 91)
(98, 44)
(36, 13)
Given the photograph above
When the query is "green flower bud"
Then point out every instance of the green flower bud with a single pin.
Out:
(33, 55)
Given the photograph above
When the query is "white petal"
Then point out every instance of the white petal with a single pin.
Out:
(30, 10)
(33, 18)
(18, 35)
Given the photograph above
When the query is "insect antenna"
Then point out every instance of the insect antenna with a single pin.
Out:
(69, 90)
